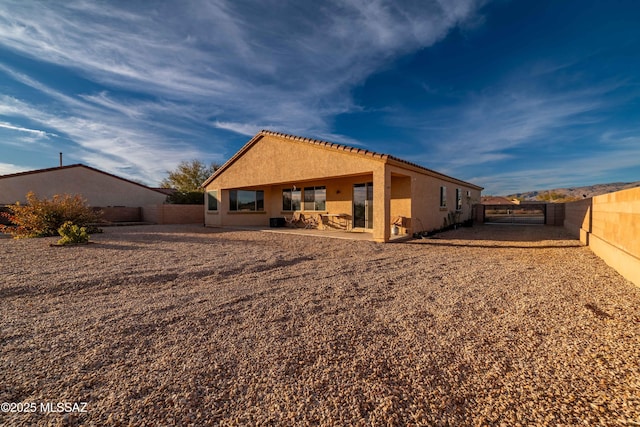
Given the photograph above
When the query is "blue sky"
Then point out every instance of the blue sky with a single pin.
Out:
(510, 95)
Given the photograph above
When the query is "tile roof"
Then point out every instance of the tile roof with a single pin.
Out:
(341, 147)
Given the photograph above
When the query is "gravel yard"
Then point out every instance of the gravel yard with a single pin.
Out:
(182, 325)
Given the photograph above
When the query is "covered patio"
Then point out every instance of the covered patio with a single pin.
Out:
(340, 205)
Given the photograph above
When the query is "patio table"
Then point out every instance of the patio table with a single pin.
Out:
(341, 219)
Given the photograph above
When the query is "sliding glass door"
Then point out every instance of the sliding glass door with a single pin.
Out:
(363, 205)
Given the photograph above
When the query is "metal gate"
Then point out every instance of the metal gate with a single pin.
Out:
(533, 213)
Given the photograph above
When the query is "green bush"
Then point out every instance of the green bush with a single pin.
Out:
(43, 217)
(72, 234)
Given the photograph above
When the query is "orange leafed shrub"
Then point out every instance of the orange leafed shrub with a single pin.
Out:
(43, 217)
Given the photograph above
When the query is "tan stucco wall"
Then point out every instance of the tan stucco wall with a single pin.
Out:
(623, 262)
(273, 163)
(610, 225)
(424, 202)
(616, 218)
(279, 160)
(120, 214)
(401, 203)
(97, 188)
(173, 214)
(577, 219)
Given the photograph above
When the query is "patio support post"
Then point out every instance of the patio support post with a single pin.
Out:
(382, 204)
(223, 207)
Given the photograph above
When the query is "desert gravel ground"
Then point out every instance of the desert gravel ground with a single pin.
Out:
(182, 325)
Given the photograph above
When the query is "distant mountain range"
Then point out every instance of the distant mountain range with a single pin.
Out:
(573, 193)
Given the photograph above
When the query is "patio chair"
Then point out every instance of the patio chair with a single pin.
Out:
(293, 220)
(310, 222)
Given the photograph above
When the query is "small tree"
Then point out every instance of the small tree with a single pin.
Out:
(188, 176)
(186, 198)
(43, 217)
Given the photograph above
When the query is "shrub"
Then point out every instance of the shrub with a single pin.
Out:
(72, 234)
(43, 217)
(186, 198)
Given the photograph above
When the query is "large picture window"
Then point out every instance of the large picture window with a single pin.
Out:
(315, 198)
(212, 200)
(291, 199)
(246, 200)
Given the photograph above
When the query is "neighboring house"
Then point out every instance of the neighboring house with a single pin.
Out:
(274, 175)
(100, 189)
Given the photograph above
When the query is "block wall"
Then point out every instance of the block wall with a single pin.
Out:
(173, 214)
(610, 225)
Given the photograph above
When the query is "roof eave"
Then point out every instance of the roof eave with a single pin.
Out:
(347, 149)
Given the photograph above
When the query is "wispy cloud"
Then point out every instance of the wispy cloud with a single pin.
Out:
(221, 65)
(571, 173)
(8, 168)
(185, 52)
(103, 136)
(247, 129)
(610, 153)
(36, 132)
(508, 123)
(137, 87)
(521, 132)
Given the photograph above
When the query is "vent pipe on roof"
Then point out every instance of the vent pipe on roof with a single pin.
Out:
(60, 159)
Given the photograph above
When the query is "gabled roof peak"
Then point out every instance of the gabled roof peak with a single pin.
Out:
(324, 143)
(331, 145)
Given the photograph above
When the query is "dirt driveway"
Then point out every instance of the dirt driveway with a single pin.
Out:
(182, 325)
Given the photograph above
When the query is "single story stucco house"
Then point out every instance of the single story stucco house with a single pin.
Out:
(275, 175)
(97, 187)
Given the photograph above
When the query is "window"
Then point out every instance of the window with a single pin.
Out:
(291, 199)
(245, 200)
(458, 199)
(315, 198)
(212, 200)
(443, 197)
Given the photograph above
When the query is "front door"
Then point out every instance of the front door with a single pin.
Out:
(363, 205)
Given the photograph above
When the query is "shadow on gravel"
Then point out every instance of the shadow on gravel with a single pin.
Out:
(153, 234)
(511, 235)
(510, 245)
(116, 247)
(130, 279)
(85, 285)
(15, 291)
